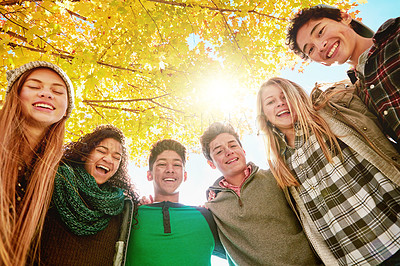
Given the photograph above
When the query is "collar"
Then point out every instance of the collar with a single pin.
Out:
(225, 184)
(386, 28)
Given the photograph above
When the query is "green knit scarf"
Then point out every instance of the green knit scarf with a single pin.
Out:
(84, 207)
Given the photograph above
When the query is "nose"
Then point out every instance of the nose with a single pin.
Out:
(322, 45)
(170, 168)
(107, 158)
(228, 151)
(281, 102)
(46, 93)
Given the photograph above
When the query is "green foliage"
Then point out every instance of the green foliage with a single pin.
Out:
(154, 68)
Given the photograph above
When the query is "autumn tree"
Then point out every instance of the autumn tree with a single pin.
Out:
(154, 68)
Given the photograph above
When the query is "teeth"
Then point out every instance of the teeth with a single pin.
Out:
(43, 105)
(280, 113)
(228, 162)
(104, 168)
(332, 50)
(169, 179)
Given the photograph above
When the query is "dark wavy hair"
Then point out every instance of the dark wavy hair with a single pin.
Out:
(166, 145)
(302, 18)
(76, 150)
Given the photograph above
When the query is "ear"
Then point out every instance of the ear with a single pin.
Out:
(149, 176)
(185, 176)
(83, 159)
(210, 163)
(346, 18)
(244, 152)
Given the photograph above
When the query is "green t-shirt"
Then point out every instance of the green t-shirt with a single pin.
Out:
(171, 234)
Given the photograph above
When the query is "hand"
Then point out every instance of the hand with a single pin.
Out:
(144, 200)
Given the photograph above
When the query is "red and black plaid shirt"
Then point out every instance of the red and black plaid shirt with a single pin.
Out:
(379, 78)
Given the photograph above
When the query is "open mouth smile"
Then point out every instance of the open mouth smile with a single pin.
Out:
(333, 50)
(233, 160)
(169, 179)
(283, 112)
(44, 105)
(103, 168)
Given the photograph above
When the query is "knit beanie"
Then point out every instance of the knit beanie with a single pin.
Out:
(14, 74)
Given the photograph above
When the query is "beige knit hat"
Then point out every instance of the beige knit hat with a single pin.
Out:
(14, 74)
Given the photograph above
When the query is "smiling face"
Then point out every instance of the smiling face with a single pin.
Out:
(103, 161)
(328, 41)
(228, 157)
(167, 175)
(276, 108)
(44, 98)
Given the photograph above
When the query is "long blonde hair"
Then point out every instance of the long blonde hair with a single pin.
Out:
(308, 121)
(21, 228)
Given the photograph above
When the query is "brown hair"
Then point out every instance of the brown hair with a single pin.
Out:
(166, 145)
(213, 131)
(21, 228)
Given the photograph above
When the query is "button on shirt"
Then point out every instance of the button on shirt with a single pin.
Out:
(354, 206)
(378, 71)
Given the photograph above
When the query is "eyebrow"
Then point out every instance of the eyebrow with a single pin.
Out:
(38, 80)
(165, 159)
(221, 145)
(101, 146)
(311, 33)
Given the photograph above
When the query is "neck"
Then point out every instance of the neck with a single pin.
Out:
(362, 45)
(171, 198)
(236, 180)
(289, 135)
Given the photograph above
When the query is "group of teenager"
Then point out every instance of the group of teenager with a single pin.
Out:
(331, 195)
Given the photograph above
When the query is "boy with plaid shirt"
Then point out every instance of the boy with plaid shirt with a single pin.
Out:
(328, 35)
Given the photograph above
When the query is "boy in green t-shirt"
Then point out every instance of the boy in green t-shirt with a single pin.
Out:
(170, 233)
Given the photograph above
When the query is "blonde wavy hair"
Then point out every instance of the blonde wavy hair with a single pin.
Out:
(308, 120)
(21, 228)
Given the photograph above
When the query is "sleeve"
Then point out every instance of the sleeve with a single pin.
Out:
(219, 249)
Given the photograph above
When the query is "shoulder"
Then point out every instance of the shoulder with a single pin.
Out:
(390, 24)
(255, 170)
(339, 92)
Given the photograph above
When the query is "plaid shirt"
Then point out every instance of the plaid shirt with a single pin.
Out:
(225, 184)
(378, 71)
(354, 207)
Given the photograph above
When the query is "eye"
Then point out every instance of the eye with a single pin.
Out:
(161, 164)
(320, 32)
(33, 87)
(101, 151)
(311, 50)
(178, 165)
(269, 102)
(118, 158)
(58, 92)
(218, 152)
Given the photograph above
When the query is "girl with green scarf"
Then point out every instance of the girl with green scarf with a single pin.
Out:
(92, 202)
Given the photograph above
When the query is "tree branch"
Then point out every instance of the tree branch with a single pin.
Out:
(214, 8)
(14, 2)
(118, 108)
(64, 55)
(152, 100)
(233, 36)
(125, 101)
